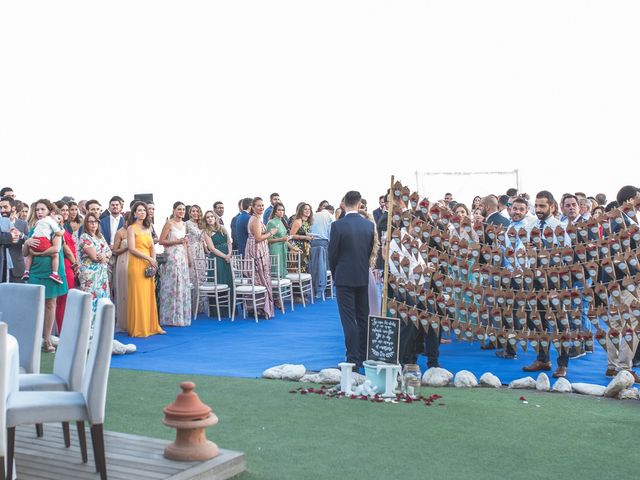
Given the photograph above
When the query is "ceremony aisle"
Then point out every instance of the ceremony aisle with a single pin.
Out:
(310, 336)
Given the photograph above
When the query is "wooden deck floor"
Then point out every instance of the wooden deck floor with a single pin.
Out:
(128, 457)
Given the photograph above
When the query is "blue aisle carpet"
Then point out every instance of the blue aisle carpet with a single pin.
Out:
(311, 336)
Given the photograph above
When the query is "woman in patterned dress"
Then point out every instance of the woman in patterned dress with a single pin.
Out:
(300, 234)
(195, 243)
(93, 257)
(175, 289)
(258, 249)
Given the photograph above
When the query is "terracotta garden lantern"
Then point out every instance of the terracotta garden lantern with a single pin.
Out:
(190, 417)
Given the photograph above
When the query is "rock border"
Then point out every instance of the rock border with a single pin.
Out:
(621, 387)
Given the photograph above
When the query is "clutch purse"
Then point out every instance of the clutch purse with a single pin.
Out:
(149, 272)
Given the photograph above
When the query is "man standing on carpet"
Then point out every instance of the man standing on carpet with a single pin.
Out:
(350, 247)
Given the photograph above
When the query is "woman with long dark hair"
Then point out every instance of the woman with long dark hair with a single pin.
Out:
(300, 236)
(257, 249)
(175, 288)
(41, 270)
(73, 223)
(70, 264)
(94, 255)
(142, 311)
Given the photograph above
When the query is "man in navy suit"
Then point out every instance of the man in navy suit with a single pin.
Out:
(113, 221)
(242, 225)
(109, 225)
(350, 246)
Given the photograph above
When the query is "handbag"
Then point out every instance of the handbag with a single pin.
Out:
(149, 272)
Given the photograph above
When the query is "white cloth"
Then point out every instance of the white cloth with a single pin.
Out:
(321, 226)
(114, 222)
(45, 227)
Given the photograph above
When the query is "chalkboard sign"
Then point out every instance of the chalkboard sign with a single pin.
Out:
(383, 339)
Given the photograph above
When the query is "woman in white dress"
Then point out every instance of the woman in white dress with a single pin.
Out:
(175, 287)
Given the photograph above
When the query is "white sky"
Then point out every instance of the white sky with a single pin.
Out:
(201, 100)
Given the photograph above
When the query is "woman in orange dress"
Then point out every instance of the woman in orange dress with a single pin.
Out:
(142, 312)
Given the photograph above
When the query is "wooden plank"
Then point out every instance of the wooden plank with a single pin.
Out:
(56, 462)
(128, 457)
(226, 465)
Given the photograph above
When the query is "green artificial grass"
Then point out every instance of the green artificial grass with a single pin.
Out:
(476, 434)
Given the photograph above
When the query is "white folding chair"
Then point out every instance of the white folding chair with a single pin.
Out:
(23, 311)
(329, 289)
(282, 287)
(88, 404)
(199, 267)
(245, 289)
(4, 378)
(301, 281)
(70, 357)
(217, 294)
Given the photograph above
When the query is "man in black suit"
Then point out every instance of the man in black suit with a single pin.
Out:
(490, 212)
(8, 211)
(350, 246)
(8, 236)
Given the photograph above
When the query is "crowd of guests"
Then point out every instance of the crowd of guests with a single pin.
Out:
(542, 224)
(113, 253)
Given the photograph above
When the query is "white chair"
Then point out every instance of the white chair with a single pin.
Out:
(282, 287)
(4, 379)
(217, 294)
(71, 355)
(199, 269)
(329, 289)
(23, 311)
(24, 408)
(245, 289)
(301, 281)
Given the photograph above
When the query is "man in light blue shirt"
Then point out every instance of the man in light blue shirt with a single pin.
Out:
(320, 230)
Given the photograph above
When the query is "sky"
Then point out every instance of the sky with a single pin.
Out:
(206, 100)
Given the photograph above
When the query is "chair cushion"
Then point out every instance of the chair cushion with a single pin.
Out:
(41, 381)
(295, 277)
(27, 408)
(212, 288)
(283, 282)
(248, 289)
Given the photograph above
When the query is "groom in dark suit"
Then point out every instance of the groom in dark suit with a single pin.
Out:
(350, 246)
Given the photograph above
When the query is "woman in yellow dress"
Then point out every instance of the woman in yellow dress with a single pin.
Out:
(142, 312)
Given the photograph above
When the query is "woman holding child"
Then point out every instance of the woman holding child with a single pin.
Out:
(41, 268)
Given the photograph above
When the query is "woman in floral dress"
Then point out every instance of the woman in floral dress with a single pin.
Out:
(175, 289)
(300, 229)
(93, 257)
(195, 244)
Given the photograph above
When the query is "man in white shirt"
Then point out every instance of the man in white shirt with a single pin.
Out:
(110, 224)
(544, 201)
(519, 220)
(320, 230)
